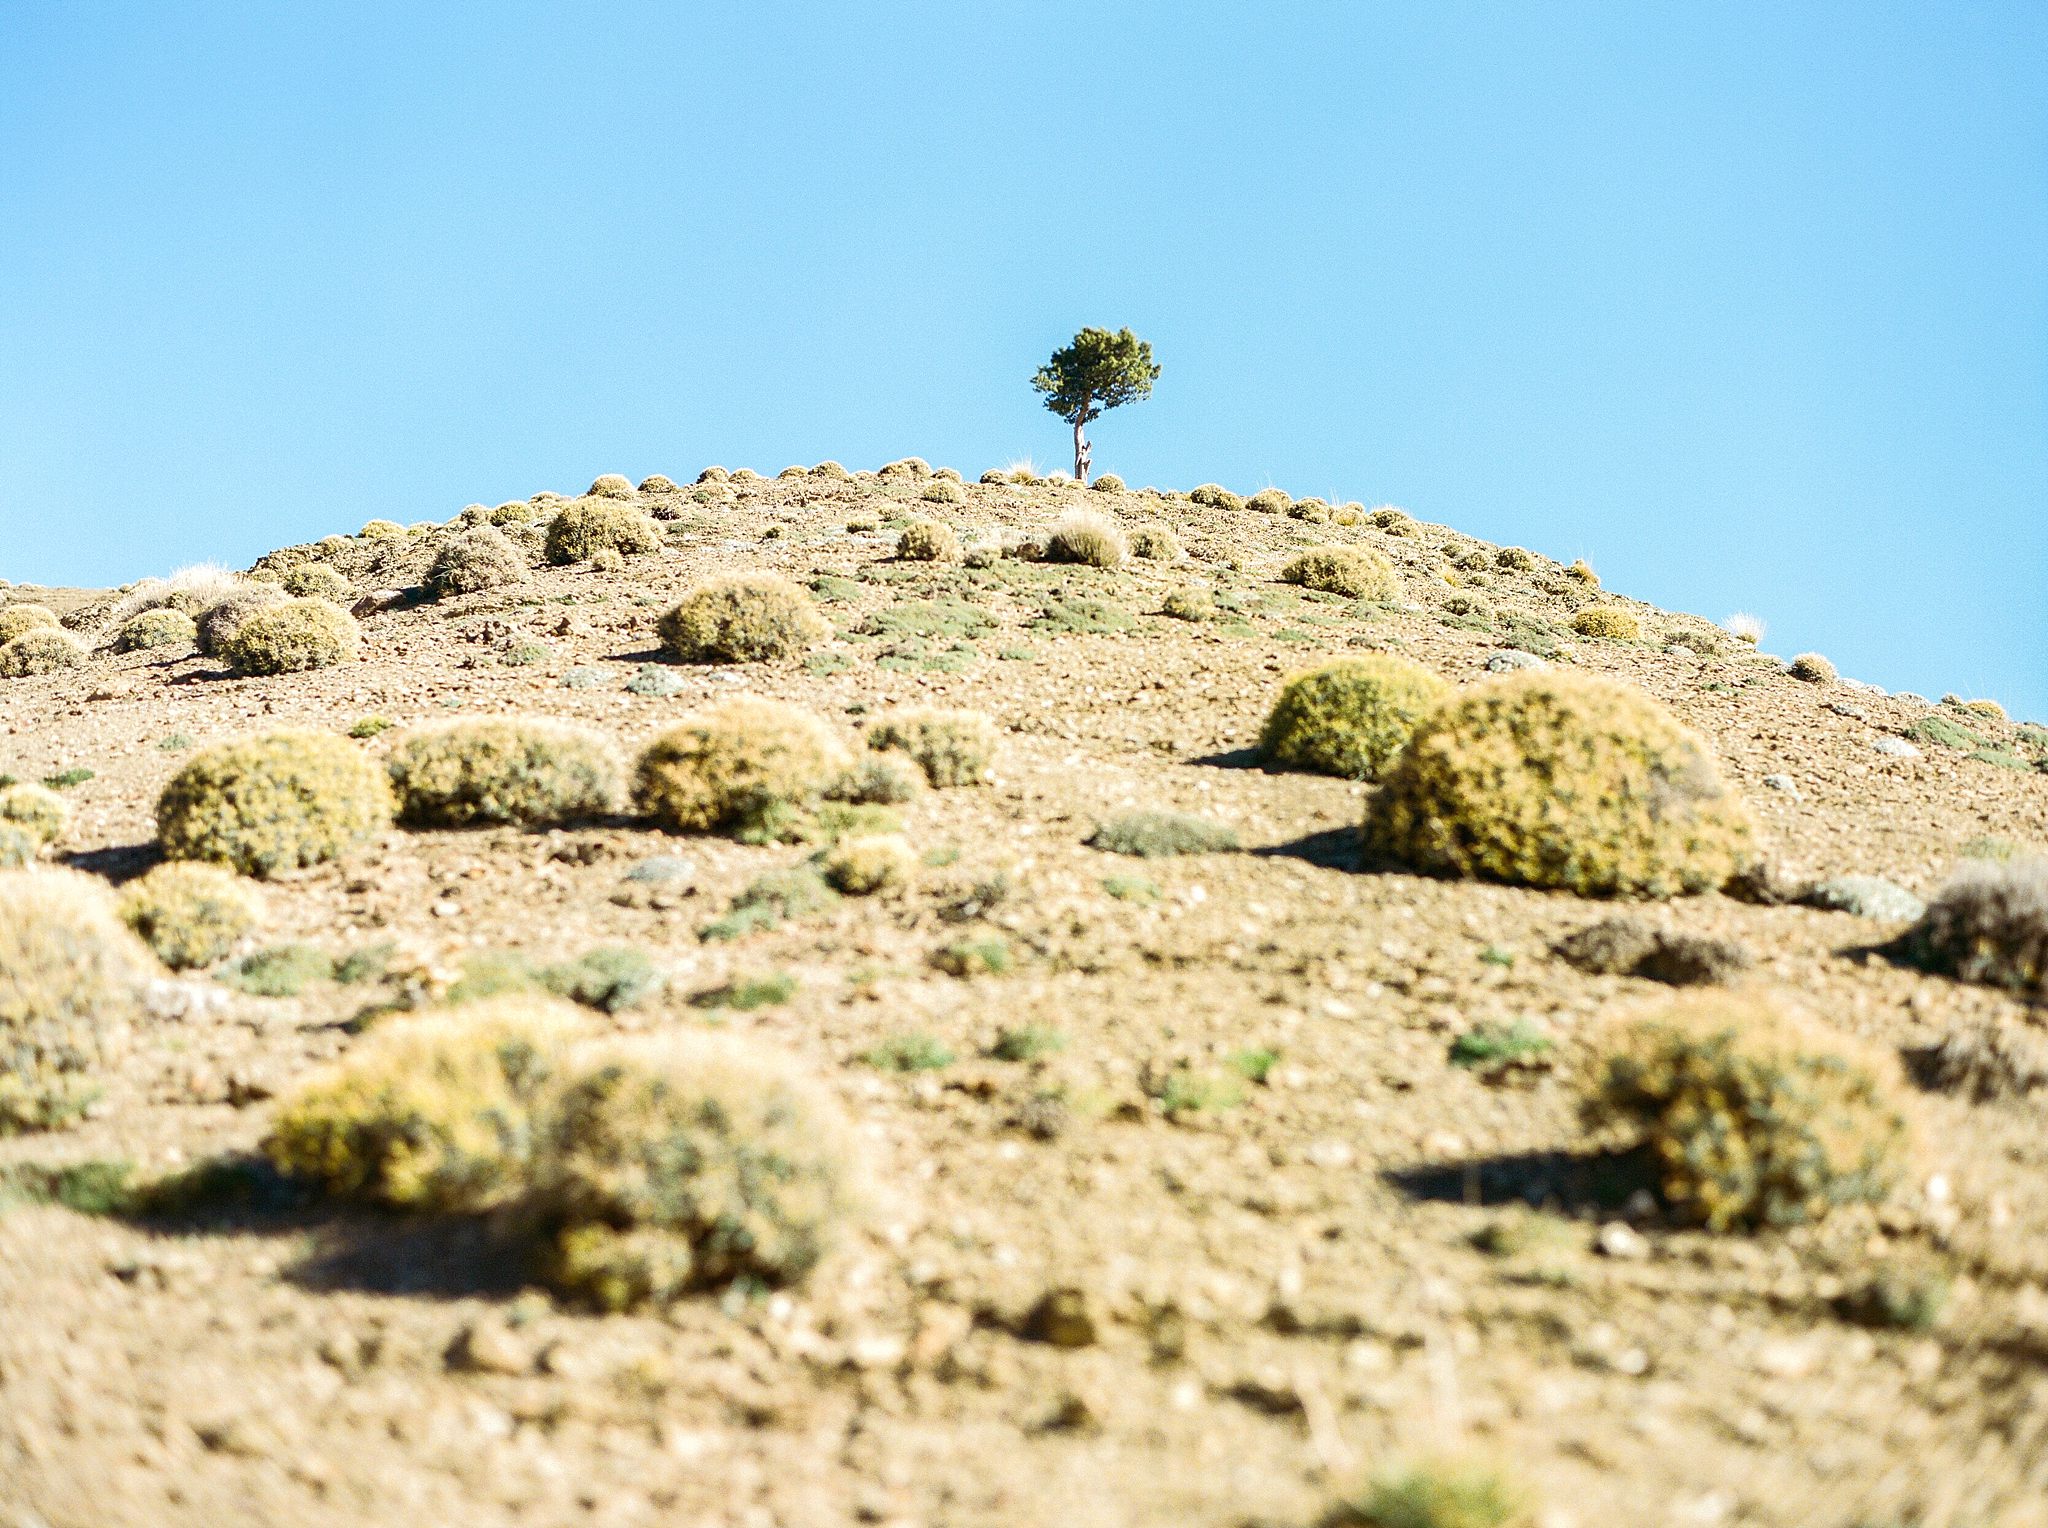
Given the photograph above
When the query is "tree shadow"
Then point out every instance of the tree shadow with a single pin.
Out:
(117, 862)
(1331, 849)
(1233, 758)
(1570, 1182)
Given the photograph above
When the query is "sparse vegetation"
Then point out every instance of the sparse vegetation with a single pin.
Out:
(290, 638)
(1216, 496)
(1269, 501)
(1989, 925)
(502, 770)
(316, 581)
(1086, 537)
(1356, 571)
(480, 558)
(745, 766)
(191, 914)
(928, 541)
(219, 621)
(18, 619)
(1348, 717)
(951, 747)
(1155, 543)
(742, 618)
(1189, 602)
(41, 650)
(1433, 1496)
(1514, 559)
(1156, 835)
(1614, 622)
(590, 526)
(274, 802)
(280, 970)
(867, 864)
(35, 809)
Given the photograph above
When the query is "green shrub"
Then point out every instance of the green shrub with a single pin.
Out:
(531, 774)
(928, 541)
(590, 526)
(655, 483)
(880, 780)
(482, 557)
(609, 485)
(1312, 509)
(1356, 571)
(382, 530)
(1348, 717)
(274, 802)
(436, 1113)
(1611, 621)
(1582, 572)
(1989, 925)
(280, 970)
(1155, 543)
(943, 491)
(1513, 559)
(911, 1052)
(316, 581)
(1216, 496)
(1190, 602)
(863, 865)
(290, 638)
(71, 986)
(689, 1163)
(1395, 522)
(1154, 835)
(37, 810)
(742, 618)
(17, 619)
(1551, 779)
(611, 979)
(1269, 501)
(191, 914)
(41, 650)
(1754, 1118)
(1087, 538)
(1109, 482)
(951, 747)
(745, 765)
(221, 619)
(1433, 1496)
(1812, 668)
(985, 956)
(161, 627)
(512, 512)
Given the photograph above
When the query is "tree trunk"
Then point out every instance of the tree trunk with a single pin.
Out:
(1081, 448)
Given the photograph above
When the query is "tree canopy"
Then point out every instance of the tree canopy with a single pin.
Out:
(1099, 371)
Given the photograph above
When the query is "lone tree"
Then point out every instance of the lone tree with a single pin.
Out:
(1098, 371)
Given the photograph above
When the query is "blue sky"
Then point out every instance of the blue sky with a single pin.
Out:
(1745, 303)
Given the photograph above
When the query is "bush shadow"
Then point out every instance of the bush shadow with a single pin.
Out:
(1568, 1182)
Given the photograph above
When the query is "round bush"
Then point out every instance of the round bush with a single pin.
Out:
(512, 512)
(738, 766)
(41, 650)
(1611, 621)
(951, 747)
(1269, 501)
(274, 802)
(1754, 1117)
(293, 637)
(316, 581)
(833, 471)
(1349, 717)
(1354, 570)
(943, 491)
(1395, 522)
(866, 864)
(928, 541)
(686, 1163)
(1551, 779)
(71, 985)
(36, 810)
(713, 475)
(1109, 482)
(1190, 602)
(1155, 543)
(592, 525)
(161, 627)
(908, 467)
(656, 483)
(1216, 496)
(794, 471)
(1513, 559)
(1086, 537)
(16, 619)
(610, 485)
(742, 618)
(191, 914)
(477, 559)
(218, 621)
(1311, 509)
(532, 774)
(1990, 925)
(1812, 668)
(439, 1112)
(382, 530)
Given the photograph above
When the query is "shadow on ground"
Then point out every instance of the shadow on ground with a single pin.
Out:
(1562, 1181)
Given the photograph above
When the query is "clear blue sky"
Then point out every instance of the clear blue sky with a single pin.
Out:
(1747, 303)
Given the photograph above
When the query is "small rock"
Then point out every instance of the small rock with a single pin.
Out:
(1866, 896)
(1783, 783)
(1680, 650)
(1610, 947)
(1617, 1239)
(655, 682)
(1849, 709)
(1062, 1318)
(1694, 960)
(663, 870)
(1896, 748)
(485, 1347)
(1508, 659)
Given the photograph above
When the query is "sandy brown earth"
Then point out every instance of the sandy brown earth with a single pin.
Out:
(1260, 1300)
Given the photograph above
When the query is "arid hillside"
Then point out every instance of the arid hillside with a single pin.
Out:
(1058, 1114)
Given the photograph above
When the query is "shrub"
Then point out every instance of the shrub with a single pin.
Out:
(833, 470)
(879, 780)
(274, 802)
(951, 747)
(161, 627)
(1311, 509)
(1155, 543)
(1156, 835)
(928, 541)
(687, 1163)
(36, 810)
(609, 485)
(744, 765)
(713, 475)
(1753, 1117)
(1548, 779)
(1612, 621)
(1109, 482)
(1354, 570)
(589, 526)
(532, 774)
(16, 619)
(382, 530)
(1190, 602)
(221, 619)
(610, 979)
(1513, 559)
(280, 970)
(1269, 501)
(909, 466)
(742, 618)
(1745, 627)
(1582, 571)
(41, 650)
(863, 865)
(1433, 1496)
(477, 559)
(943, 491)
(1085, 537)
(655, 483)
(512, 512)
(316, 580)
(1395, 522)
(435, 1113)
(1216, 496)
(18, 846)
(1348, 717)
(1812, 668)
(71, 982)
(293, 637)
(1989, 925)
(191, 914)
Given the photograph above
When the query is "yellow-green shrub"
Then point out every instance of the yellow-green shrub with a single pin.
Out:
(382, 530)
(1216, 496)
(1514, 559)
(588, 526)
(16, 619)
(1109, 482)
(1348, 717)
(1395, 522)
(438, 1112)
(864, 864)
(1357, 571)
(1155, 543)
(512, 512)
(477, 559)
(951, 747)
(71, 983)
(1990, 925)
(36, 810)
(274, 802)
(190, 913)
(928, 541)
(1086, 537)
(1190, 602)
(743, 765)
(1813, 668)
(1754, 1117)
(463, 774)
(293, 637)
(1612, 621)
(41, 650)
(161, 627)
(316, 581)
(1545, 778)
(610, 485)
(1269, 501)
(221, 619)
(943, 491)
(687, 1163)
(742, 618)
(1582, 571)
(835, 471)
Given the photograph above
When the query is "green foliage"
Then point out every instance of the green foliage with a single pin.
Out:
(1513, 559)
(1080, 615)
(219, 621)
(37, 810)
(945, 617)
(84, 1188)
(1432, 1496)
(283, 970)
(745, 994)
(1098, 371)
(480, 558)
(610, 485)
(1615, 622)
(502, 771)
(1216, 496)
(316, 581)
(1989, 925)
(745, 766)
(273, 802)
(1560, 780)
(1131, 888)
(590, 526)
(742, 618)
(1155, 835)
(65, 779)
(1255, 1064)
(1754, 1118)
(40, 650)
(161, 627)
(1357, 571)
(986, 956)
(914, 1052)
(951, 747)
(769, 899)
(885, 779)
(290, 638)
(1269, 501)
(1027, 1042)
(1349, 717)
(1934, 728)
(928, 540)
(1496, 1047)
(611, 979)
(382, 530)
(191, 914)
(943, 491)
(866, 864)
(1108, 482)
(370, 726)
(1182, 1090)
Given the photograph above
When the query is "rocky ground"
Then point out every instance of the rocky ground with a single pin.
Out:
(1274, 1238)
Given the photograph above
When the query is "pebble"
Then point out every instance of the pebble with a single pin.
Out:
(1866, 896)
(1507, 660)
(1896, 748)
(656, 682)
(1783, 783)
(1849, 709)
(1062, 1317)
(485, 1347)
(662, 869)
(1617, 1239)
